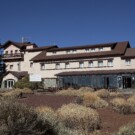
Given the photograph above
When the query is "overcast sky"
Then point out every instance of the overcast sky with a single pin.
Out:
(67, 22)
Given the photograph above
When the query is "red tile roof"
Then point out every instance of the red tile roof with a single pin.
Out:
(118, 49)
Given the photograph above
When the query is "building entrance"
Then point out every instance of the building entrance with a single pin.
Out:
(126, 82)
(8, 84)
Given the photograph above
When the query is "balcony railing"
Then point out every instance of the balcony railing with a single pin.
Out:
(12, 56)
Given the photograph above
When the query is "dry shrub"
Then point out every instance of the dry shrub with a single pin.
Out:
(87, 89)
(50, 115)
(116, 94)
(12, 93)
(72, 92)
(103, 93)
(78, 117)
(129, 129)
(19, 119)
(122, 106)
(92, 100)
(97, 132)
(131, 100)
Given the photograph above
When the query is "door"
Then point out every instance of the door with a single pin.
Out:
(8, 84)
(126, 82)
(106, 82)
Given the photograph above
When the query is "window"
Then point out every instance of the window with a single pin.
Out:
(90, 63)
(11, 52)
(128, 62)
(81, 64)
(11, 67)
(68, 51)
(87, 50)
(100, 49)
(6, 52)
(110, 63)
(31, 64)
(100, 63)
(92, 50)
(73, 51)
(67, 65)
(57, 66)
(19, 66)
(54, 52)
(42, 66)
(16, 51)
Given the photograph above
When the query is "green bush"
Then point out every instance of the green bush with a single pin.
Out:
(25, 83)
(18, 119)
(127, 130)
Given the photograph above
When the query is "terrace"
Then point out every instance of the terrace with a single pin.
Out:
(12, 56)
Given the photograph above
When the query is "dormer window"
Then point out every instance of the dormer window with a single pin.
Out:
(68, 51)
(92, 50)
(87, 50)
(73, 51)
(100, 49)
(54, 52)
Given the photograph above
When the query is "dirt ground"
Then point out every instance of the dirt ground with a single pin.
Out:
(111, 120)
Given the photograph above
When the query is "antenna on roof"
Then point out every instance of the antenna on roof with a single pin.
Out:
(24, 39)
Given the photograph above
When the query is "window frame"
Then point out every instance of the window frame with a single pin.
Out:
(42, 66)
(91, 64)
(99, 63)
(57, 65)
(81, 64)
(128, 62)
(110, 63)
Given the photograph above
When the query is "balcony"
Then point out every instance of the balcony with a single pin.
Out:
(12, 56)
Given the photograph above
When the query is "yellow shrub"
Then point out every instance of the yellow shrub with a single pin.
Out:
(131, 100)
(92, 100)
(116, 94)
(122, 106)
(72, 92)
(103, 93)
(79, 117)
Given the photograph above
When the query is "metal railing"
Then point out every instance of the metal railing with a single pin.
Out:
(10, 56)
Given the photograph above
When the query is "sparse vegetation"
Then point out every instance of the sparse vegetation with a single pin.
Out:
(103, 93)
(73, 92)
(122, 106)
(90, 99)
(131, 100)
(78, 117)
(18, 119)
(116, 94)
(127, 130)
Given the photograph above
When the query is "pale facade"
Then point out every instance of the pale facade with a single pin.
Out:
(111, 64)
